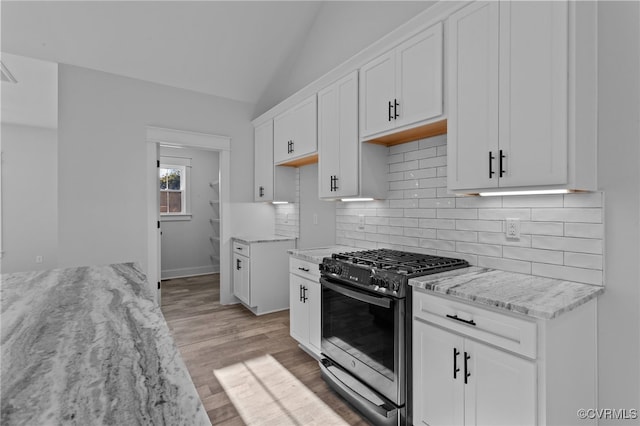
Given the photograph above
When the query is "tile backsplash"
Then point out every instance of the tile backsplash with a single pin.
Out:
(561, 236)
(288, 215)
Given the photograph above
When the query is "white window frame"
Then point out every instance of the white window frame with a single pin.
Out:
(184, 164)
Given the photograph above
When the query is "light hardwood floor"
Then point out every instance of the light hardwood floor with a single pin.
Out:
(211, 336)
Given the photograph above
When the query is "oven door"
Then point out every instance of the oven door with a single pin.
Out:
(364, 334)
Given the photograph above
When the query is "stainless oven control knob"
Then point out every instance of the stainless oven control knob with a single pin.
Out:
(395, 285)
(335, 269)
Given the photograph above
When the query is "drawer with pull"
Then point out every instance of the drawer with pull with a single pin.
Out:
(505, 331)
(241, 248)
(304, 268)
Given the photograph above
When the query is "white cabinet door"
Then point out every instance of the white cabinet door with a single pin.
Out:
(377, 92)
(315, 315)
(338, 138)
(533, 92)
(241, 269)
(295, 132)
(299, 311)
(419, 82)
(263, 162)
(437, 394)
(473, 97)
(501, 387)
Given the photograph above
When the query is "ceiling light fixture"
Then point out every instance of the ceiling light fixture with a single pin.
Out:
(533, 192)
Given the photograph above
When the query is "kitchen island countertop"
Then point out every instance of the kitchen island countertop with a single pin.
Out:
(89, 346)
(537, 297)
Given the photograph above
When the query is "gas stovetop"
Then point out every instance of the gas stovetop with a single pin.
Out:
(383, 270)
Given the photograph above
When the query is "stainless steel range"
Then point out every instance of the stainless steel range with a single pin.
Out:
(366, 327)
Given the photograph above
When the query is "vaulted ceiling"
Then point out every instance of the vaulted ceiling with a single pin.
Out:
(231, 49)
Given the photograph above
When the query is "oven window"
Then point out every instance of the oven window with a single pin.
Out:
(363, 330)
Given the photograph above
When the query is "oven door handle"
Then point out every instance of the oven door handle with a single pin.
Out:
(385, 302)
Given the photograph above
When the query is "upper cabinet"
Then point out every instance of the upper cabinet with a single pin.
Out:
(271, 183)
(403, 88)
(295, 133)
(512, 78)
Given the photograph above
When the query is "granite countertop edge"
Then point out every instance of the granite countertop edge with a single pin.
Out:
(316, 254)
(532, 296)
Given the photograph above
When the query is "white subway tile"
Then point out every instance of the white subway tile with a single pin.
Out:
(589, 215)
(441, 171)
(542, 228)
(502, 214)
(478, 202)
(354, 234)
(391, 230)
(420, 154)
(551, 200)
(420, 232)
(583, 199)
(404, 147)
(437, 203)
(501, 238)
(395, 176)
(395, 195)
(428, 213)
(479, 225)
(442, 150)
(435, 182)
(444, 192)
(420, 174)
(430, 252)
(579, 245)
(437, 244)
(533, 255)
(346, 226)
(379, 238)
(472, 259)
(433, 141)
(453, 235)
(587, 276)
(479, 249)
(405, 241)
(582, 260)
(404, 184)
(401, 167)
(420, 193)
(457, 214)
(407, 203)
(502, 264)
(366, 245)
(395, 158)
(389, 212)
(438, 223)
(408, 222)
(584, 230)
(433, 162)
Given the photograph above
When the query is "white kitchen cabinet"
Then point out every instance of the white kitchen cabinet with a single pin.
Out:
(260, 278)
(304, 294)
(477, 366)
(295, 132)
(489, 387)
(271, 183)
(403, 87)
(512, 74)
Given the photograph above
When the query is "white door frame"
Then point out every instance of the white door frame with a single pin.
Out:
(185, 139)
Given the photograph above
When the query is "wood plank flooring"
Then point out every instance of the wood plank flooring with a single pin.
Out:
(211, 336)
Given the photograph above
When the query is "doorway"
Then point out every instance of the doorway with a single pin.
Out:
(156, 136)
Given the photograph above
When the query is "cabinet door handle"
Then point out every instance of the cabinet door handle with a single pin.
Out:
(455, 317)
(303, 269)
(335, 182)
(491, 158)
(300, 293)
(395, 109)
(304, 295)
(238, 267)
(390, 106)
(502, 156)
(455, 363)
(467, 374)
(261, 191)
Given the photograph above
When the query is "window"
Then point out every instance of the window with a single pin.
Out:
(174, 189)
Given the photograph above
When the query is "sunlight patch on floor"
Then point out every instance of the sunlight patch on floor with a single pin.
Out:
(266, 393)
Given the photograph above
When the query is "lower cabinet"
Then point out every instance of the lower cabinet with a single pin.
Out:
(304, 301)
(480, 366)
(459, 381)
(260, 279)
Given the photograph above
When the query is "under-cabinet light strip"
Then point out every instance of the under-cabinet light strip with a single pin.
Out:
(534, 192)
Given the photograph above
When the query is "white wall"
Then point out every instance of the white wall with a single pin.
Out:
(619, 177)
(341, 29)
(102, 153)
(29, 197)
(312, 234)
(186, 247)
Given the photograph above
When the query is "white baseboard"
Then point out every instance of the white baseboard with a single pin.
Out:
(188, 272)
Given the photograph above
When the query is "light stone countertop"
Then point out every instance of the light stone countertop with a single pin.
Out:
(89, 346)
(537, 297)
(248, 239)
(316, 255)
